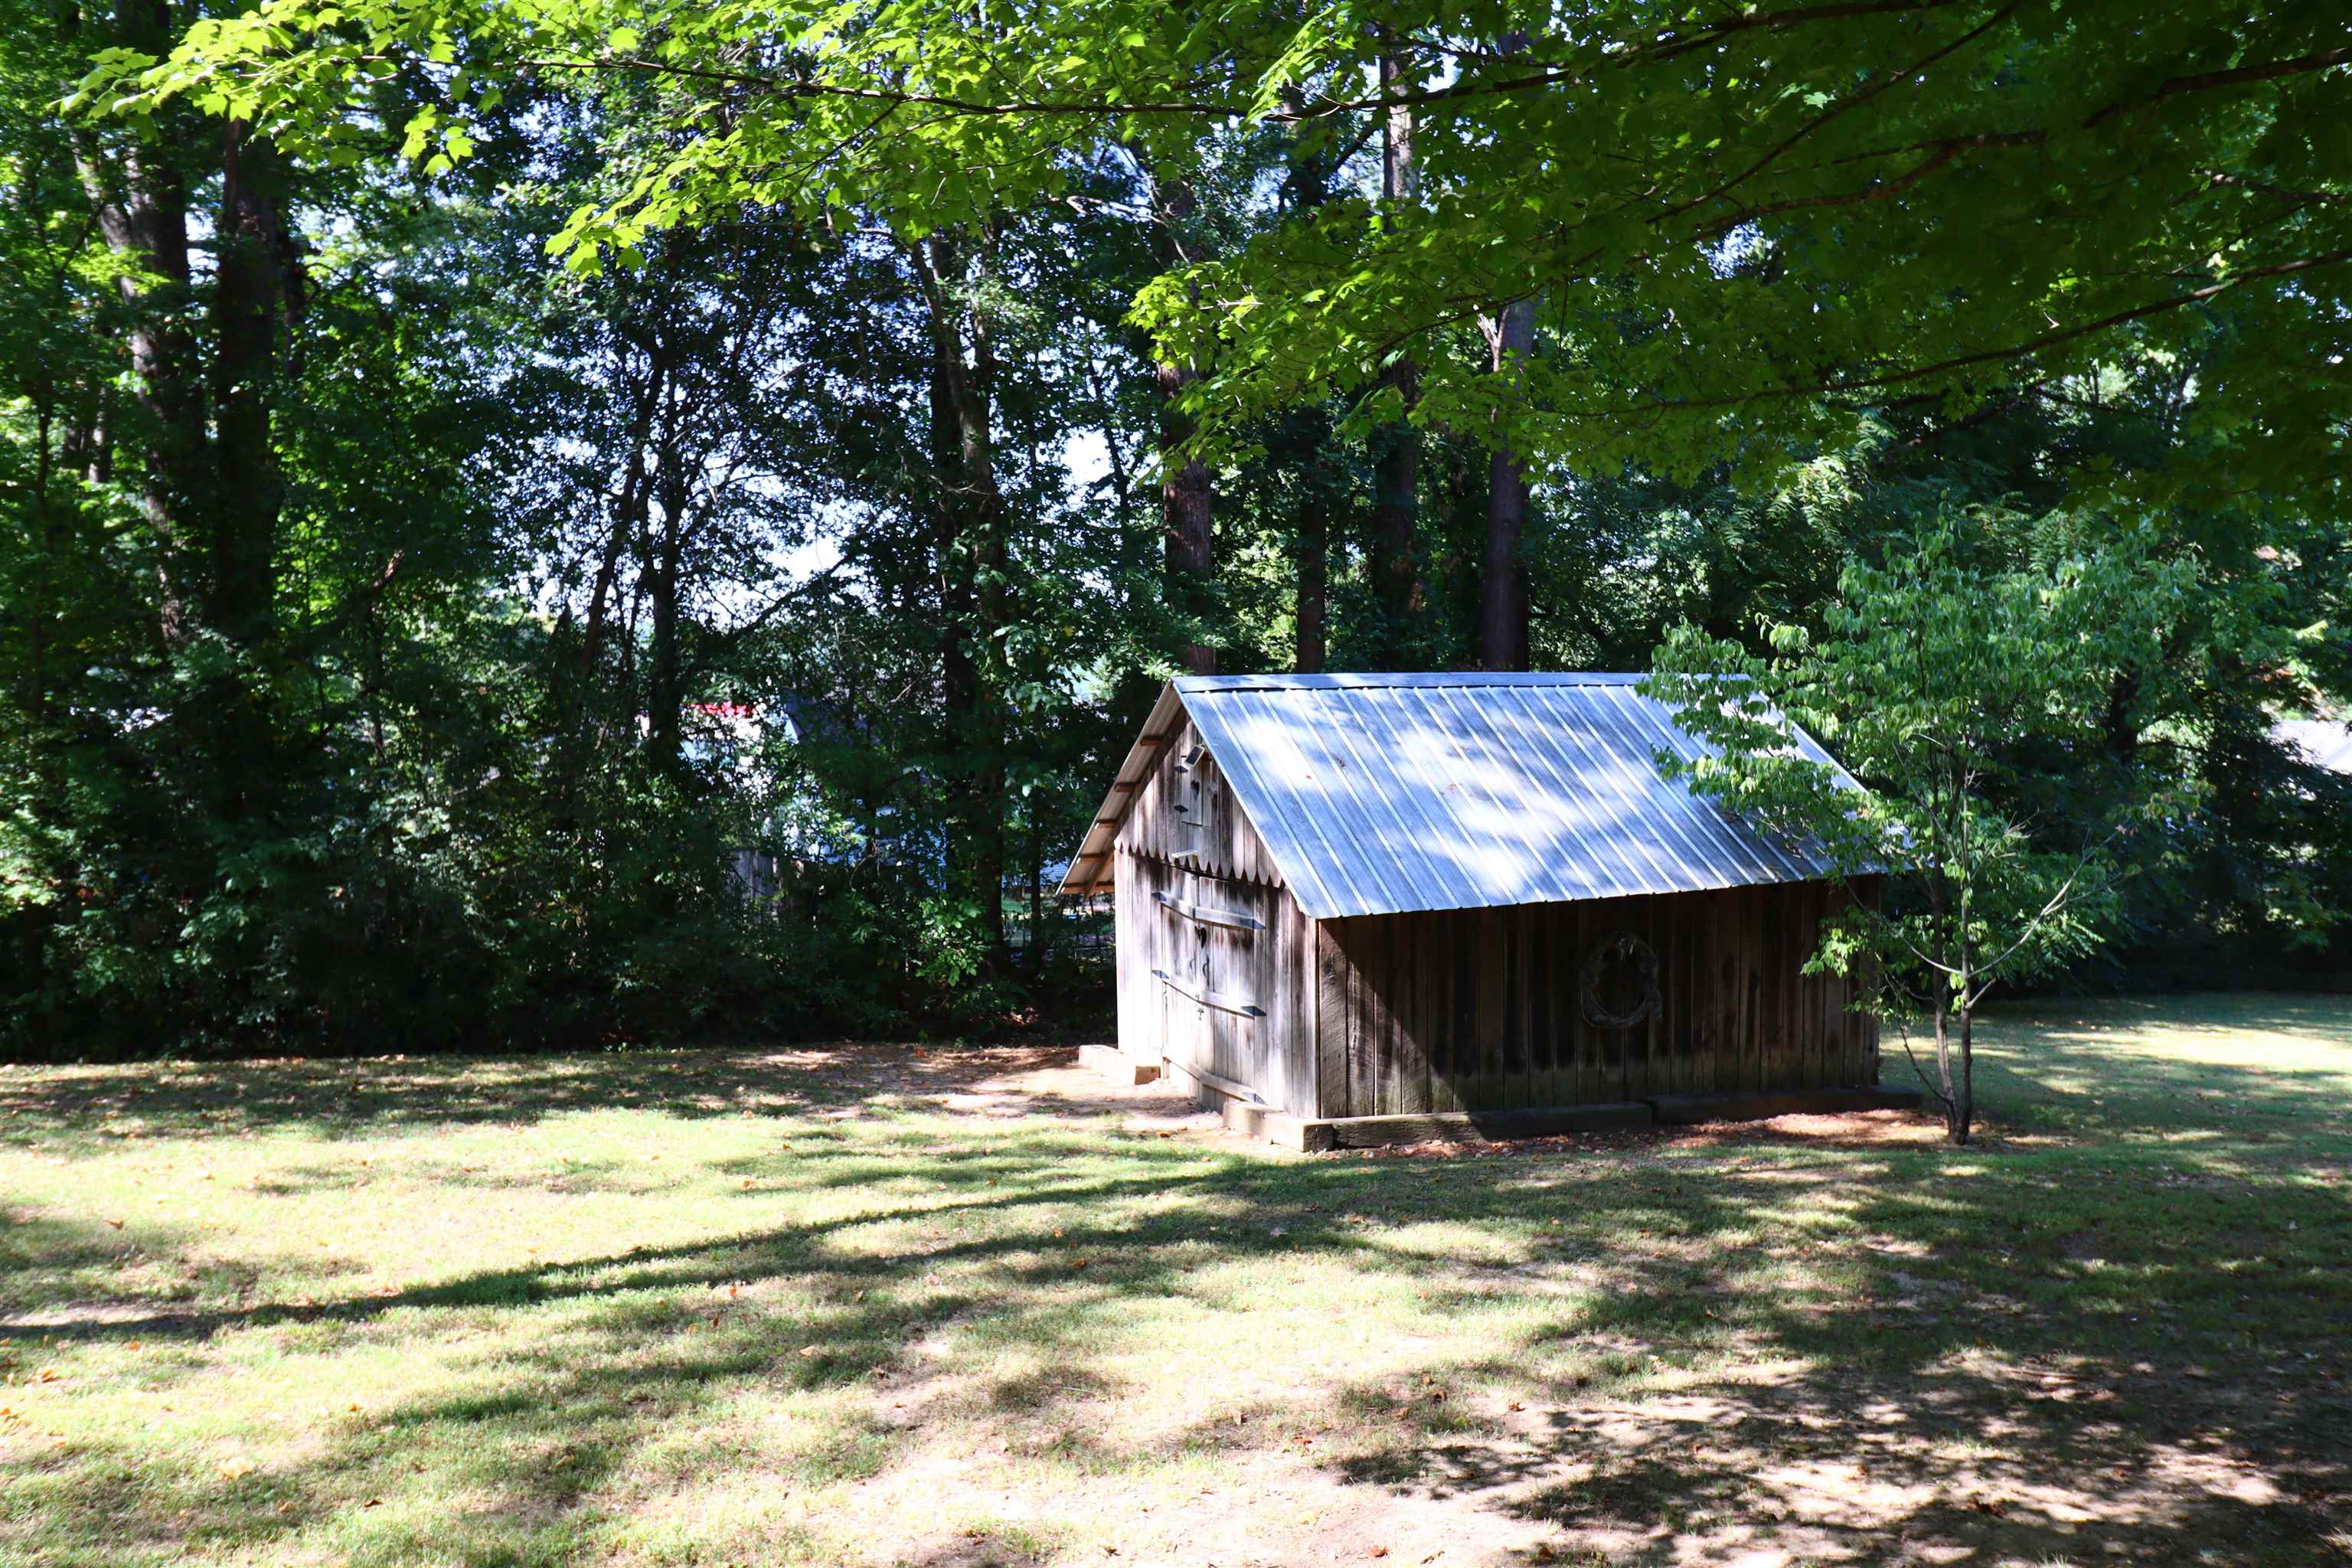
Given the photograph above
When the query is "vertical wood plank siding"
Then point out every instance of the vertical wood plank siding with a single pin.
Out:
(1207, 854)
(1483, 1009)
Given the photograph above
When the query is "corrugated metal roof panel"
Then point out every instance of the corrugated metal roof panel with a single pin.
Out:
(2324, 745)
(1380, 794)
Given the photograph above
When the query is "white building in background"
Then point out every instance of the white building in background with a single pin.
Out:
(2323, 742)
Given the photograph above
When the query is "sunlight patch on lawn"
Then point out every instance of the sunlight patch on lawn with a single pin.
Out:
(402, 1315)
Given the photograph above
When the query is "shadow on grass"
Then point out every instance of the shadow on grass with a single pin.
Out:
(1750, 1350)
(71, 1110)
(2242, 1068)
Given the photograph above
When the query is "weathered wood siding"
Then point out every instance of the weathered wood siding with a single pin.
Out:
(1180, 806)
(1483, 1009)
(1269, 968)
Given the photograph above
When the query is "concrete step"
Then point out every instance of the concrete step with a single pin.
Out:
(1117, 1066)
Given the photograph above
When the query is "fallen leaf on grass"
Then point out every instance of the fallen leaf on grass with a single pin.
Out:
(115, 1223)
(812, 1350)
(233, 1469)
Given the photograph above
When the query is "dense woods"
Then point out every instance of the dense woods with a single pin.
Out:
(610, 520)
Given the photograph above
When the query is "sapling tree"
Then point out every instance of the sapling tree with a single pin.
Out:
(1958, 696)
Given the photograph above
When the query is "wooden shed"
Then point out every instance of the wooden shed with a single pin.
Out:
(1357, 909)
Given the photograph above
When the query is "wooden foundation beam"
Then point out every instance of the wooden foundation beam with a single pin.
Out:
(1481, 1126)
(1247, 1115)
(1688, 1110)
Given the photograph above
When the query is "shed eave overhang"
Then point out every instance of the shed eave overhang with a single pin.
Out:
(1090, 869)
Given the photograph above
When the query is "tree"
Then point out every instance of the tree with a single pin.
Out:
(363, 575)
(1931, 677)
(1396, 444)
(1187, 497)
(1503, 590)
(1749, 227)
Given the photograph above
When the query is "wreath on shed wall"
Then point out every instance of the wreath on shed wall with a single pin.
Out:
(1606, 955)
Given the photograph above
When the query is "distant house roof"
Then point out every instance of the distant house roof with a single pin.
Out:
(1382, 793)
(2324, 745)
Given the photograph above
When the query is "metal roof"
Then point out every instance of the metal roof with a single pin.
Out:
(1380, 794)
(2321, 743)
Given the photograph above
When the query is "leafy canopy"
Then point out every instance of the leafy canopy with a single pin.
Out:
(1747, 221)
(1973, 704)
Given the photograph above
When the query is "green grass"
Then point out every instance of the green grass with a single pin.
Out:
(831, 1307)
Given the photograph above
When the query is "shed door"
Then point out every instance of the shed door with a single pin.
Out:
(1231, 981)
(1186, 945)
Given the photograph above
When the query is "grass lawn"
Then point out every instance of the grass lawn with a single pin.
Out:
(862, 1306)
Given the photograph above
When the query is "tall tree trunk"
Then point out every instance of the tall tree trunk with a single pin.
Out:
(1188, 528)
(139, 196)
(1311, 642)
(1503, 590)
(1036, 906)
(86, 449)
(972, 558)
(664, 690)
(630, 508)
(1300, 446)
(1396, 446)
(47, 534)
(1186, 501)
(2121, 720)
(1307, 186)
(249, 297)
